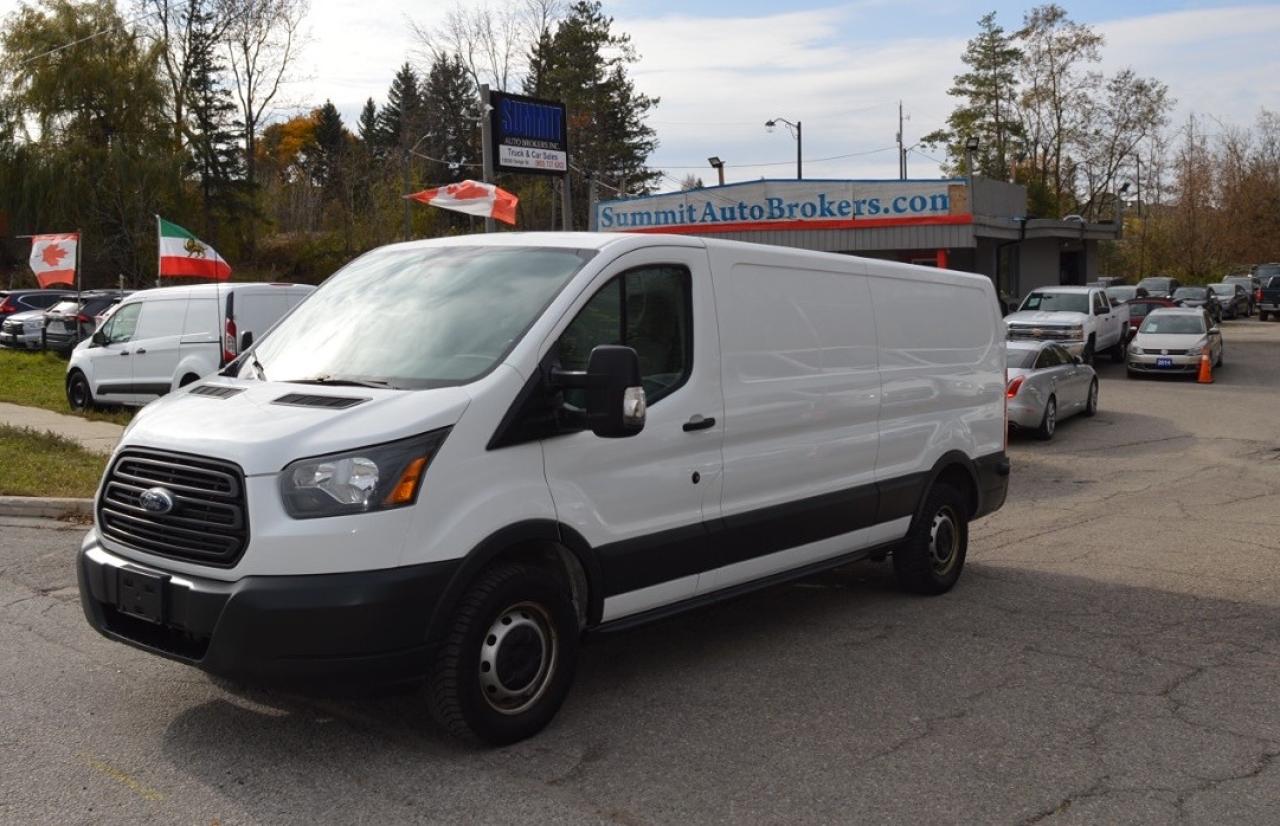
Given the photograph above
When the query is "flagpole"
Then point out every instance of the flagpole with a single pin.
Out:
(158, 251)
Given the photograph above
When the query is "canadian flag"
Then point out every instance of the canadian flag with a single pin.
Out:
(53, 258)
(473, 198)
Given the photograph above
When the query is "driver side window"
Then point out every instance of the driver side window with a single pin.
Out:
(122, 324)
(647, 309)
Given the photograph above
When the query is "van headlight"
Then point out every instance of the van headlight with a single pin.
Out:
(379, 477)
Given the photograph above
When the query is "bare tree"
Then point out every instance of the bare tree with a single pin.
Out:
(493, 42)
(183, 27)
(263, 39)
(1113, 124)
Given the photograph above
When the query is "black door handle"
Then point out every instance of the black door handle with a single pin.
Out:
(124, 352)
(140, 352)
(699, 422)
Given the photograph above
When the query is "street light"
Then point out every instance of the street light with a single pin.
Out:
(718, 166)
(795, 130)
(970, 147)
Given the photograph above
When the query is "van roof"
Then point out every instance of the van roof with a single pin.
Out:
(626, 241)
(207, 290)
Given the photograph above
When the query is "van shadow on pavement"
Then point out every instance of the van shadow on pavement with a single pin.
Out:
(1018, 696)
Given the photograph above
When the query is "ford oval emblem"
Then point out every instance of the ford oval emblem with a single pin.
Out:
(156, 500)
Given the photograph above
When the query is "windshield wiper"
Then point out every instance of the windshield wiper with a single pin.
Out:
(338, 382)
(257, 365)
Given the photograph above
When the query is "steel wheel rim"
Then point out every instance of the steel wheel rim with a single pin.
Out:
(944, 541)
(78, 393)
(518, 658)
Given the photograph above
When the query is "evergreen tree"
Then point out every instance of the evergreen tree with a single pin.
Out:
(331, 139)
(988, 107)
(213, 145)
(400, 121)
(452, 109)
(367, 126)
(584, 63)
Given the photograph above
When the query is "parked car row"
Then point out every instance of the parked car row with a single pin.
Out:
(53, 319)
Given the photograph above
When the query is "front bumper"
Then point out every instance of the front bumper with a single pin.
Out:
(304, 632)
(1143, 363)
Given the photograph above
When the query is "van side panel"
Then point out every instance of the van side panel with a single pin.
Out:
(941, 368)
(801, 388)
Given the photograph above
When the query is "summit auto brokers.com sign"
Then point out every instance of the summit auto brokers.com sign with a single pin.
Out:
(786, 205)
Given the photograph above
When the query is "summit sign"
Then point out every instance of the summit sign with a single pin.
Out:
(763, 205)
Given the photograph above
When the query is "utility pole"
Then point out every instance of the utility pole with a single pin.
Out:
(486, 147)
(902, 153)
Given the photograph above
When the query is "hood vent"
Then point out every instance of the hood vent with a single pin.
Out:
(310, 400)
(216, 391)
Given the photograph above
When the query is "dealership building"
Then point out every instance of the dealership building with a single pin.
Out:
(980, 228)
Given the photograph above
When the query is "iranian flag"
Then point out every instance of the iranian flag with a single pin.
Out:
(53, 258)
(473, 198)
(183, 254)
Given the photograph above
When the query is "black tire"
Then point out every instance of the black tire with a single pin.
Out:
(1091, 405)
(1262, 316)
(1048, 422)
(188, 379)
(1117, 351)
(1221, 353)
(919, 563)
(79, 394)
(535, 606)
(1089, 349)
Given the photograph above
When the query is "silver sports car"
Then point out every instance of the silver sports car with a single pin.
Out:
(1047, 384)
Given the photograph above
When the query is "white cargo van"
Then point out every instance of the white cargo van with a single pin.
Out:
(549, 434)
(158, 340)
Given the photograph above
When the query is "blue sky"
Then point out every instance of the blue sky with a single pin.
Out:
(722, 67)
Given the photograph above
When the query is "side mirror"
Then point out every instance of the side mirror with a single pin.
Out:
(1214, 331)
(1077, 360)
(246, 339)
(99, 339)
(615, 397)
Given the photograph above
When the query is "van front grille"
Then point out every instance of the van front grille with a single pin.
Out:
(207, 523)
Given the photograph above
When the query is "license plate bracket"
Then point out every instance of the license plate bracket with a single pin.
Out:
(1164, 361)
(141, 594)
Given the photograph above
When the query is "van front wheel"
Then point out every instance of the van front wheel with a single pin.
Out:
(508, 656)
(79, 395)
(930, 559)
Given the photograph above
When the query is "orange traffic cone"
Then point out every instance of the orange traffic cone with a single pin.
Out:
(1206, 370)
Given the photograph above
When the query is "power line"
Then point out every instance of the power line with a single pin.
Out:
(86, 38)
(789, 162)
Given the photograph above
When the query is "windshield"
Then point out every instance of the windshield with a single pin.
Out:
(65, 307)
(1166, 324)
(1020, 359)
(1057, 302)
(1155, 283)
(1224, 289)
(416, 318)
(1122, 293)
(1266, 270)
(1194, 293)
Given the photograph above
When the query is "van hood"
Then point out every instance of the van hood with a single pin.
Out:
(1060, 317)
(254, 430)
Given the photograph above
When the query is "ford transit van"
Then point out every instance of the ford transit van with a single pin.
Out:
(459, 455)
(159, 340)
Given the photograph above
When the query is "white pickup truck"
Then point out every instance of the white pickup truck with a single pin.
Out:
(1081, 319)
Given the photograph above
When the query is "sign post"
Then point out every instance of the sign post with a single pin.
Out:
(486, 145)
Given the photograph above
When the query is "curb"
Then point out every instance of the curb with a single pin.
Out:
(47, 507)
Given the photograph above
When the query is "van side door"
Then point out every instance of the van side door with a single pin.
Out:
(156, 347)
(112, 378)
(802, 400)
(641, 502)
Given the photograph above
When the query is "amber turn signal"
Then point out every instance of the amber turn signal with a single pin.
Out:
(404, 490)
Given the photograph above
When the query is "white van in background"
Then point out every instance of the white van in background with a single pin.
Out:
(567, 433)
(159, 340)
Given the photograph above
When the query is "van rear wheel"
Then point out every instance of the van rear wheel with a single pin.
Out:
(930, 559)
(508, 656)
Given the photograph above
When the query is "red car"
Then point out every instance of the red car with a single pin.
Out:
(1139, 307)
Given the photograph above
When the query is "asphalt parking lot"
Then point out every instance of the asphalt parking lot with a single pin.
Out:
(1111, 654)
